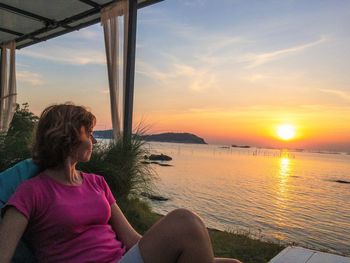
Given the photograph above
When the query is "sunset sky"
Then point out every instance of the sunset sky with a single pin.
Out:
(229, 71)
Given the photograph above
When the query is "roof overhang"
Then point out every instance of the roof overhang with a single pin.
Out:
(32, 21)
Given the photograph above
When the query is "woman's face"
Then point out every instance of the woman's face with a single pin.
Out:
(84, 149)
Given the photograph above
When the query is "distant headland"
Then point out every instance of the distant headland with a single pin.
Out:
(161, 137)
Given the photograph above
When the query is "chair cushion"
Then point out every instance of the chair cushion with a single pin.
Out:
(13, 176)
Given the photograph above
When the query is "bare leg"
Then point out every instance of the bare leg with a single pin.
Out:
(180, 236)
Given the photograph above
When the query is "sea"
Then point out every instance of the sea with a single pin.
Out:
(292, 197)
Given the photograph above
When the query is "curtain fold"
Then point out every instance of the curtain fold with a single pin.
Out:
(8, 93)
(116, 65)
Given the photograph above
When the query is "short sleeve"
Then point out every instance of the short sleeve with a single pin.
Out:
(22, 200)
(109, 196)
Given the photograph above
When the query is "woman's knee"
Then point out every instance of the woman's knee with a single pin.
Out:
(185, 215)
(176, 230)
(180, 232)
(186, 220)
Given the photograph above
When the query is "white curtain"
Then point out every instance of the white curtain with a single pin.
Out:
(116, 65)
(8, 85)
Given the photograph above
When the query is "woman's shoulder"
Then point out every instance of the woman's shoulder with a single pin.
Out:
(30, 189)
(35, 181)
(92, 177)
(34, 186)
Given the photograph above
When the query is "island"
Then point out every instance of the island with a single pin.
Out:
(105, 134)
(161, 137)
(174, 137)
(240, 146)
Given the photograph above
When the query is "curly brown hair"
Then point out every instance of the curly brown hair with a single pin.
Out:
(58, 133)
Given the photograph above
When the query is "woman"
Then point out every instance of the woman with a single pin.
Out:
(72, 216)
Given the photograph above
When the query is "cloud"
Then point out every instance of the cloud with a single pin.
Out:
(218, 50)
(206, 110)
(21, 65)
(274, 78)
(32, 78)
(152, 72)
(199, 79)
(192, 3)
(89, 34)
(67, 55)
(103, 91)
(255, 60)
(197, 74)
(177, 74)
(341, 94)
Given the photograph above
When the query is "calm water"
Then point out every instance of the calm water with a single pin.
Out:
(292, 197)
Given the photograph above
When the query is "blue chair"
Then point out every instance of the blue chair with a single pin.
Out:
(14, 176)
(10, 179)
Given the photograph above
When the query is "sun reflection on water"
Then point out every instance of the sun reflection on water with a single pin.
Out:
(284, 166)
(282, 194)
(284, 173)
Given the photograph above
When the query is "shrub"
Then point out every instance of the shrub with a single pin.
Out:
(121, 163)
(15, 145)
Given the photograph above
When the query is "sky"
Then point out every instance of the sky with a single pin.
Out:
(229, 71)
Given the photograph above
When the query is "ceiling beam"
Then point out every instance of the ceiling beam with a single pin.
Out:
(46, 21)
(147, 3)
(11, 32)
(14, 32)
(65, 23)
(86, 24)
(91, 3)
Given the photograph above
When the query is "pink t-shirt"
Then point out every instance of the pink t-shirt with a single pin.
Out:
(69, 223)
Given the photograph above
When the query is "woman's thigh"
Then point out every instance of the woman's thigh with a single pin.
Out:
(167, 238)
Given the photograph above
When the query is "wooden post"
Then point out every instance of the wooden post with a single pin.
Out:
(1, 91)
(130, 70)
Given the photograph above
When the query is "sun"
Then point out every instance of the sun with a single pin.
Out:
(286, 132)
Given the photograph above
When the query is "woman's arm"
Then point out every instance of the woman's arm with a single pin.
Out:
(12, 228)
(124, 231)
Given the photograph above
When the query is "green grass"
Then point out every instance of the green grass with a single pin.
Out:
(243, 247)
(139, 214)
(238, 244)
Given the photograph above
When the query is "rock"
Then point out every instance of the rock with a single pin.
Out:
(342, 182)
(159, 157)
(154, 162)
(240, 146)
(154, 197)
(164, 164)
